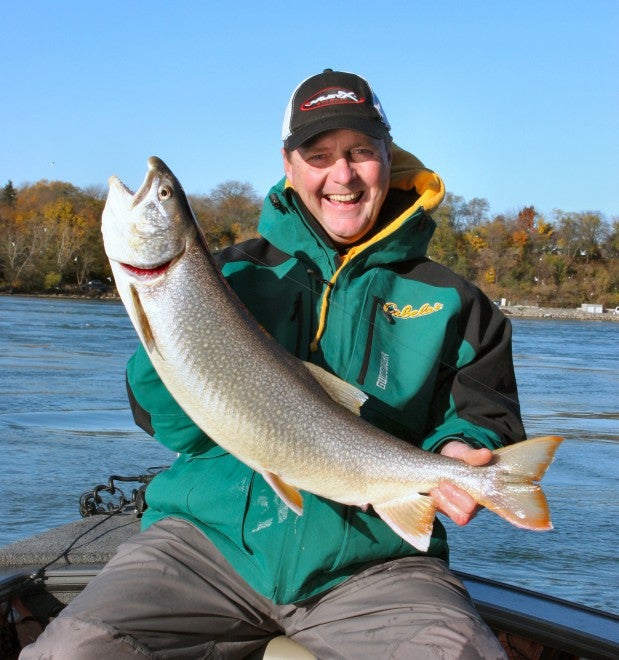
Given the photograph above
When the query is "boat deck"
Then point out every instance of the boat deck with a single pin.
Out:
(73, 554)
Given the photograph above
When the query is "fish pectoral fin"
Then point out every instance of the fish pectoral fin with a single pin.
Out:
(289, 494)
(339, 390)
(411, 517)
(142, 320)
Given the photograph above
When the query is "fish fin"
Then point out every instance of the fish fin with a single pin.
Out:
(411, 517)
(145, 330)
(516, 496)
(291, 496)
(344, 393)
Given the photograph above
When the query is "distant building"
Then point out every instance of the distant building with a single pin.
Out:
(592, 308)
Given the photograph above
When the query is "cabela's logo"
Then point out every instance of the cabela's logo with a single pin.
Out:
(331, 96)
(409, 312)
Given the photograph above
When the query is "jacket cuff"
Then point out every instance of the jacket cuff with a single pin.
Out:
(435, 443)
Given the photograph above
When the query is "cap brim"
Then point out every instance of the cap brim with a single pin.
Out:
(372, 127)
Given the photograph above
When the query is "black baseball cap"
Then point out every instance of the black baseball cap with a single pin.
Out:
(331, 100)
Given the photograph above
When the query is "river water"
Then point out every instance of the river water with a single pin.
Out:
(65, 427)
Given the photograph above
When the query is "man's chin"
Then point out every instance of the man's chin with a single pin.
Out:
(347, 236)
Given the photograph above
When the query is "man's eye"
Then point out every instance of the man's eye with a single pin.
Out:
(362, 153)
(318, 160)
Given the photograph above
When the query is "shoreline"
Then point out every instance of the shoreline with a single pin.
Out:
(511, 311)
(560, 313)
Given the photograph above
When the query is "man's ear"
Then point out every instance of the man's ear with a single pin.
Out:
(287, 165)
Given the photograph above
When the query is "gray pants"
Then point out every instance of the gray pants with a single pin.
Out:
(169, 593)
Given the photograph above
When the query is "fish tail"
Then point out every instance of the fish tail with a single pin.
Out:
(515, 494)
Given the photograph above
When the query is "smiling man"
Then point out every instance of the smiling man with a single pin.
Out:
(339, 277)
(337, 153)
(342, 176)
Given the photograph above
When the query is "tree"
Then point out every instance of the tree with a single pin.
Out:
(229, 213)
(498, 256)
(20, 242)
(592, 233)
(580, 234)
(455, 207)
(236, 203)
(475, 212)
(8, 195)
(447, 244)
(91, 258)
(65, 232)
(611, 244)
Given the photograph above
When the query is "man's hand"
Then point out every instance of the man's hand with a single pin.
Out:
(451, 500)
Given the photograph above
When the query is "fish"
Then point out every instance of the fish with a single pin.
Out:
(296, 424)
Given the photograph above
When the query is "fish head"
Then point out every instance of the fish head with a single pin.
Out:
(145, 232)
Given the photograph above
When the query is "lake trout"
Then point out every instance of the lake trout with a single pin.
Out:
(291, 421)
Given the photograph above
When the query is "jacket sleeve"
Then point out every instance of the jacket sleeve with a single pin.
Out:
(156, 411)
(476, 399)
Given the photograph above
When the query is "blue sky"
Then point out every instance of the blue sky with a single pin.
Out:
(517, 102)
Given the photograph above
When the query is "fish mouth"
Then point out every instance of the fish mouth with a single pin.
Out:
(148, 273)
(151, 272)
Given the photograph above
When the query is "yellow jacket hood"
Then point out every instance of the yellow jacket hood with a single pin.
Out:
(408, 172)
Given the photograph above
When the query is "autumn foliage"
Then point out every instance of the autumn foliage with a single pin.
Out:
(50, 241)
(50, 233)
(525, 258)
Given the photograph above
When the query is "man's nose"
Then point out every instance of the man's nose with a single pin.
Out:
(342, 170)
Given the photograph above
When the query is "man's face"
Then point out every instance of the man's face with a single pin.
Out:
(342, 176)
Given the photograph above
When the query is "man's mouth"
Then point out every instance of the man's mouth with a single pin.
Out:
(348, 198)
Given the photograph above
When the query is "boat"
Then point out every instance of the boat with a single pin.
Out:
(41, 574)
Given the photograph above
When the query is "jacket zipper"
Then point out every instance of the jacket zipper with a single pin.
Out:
(377, 304)
(297, 315)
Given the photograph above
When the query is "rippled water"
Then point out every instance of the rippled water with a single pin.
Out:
(568, 378)
(65, 427)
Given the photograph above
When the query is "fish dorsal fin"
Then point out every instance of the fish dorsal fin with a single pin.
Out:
(411, 517)
(289, 494)
(344, 393)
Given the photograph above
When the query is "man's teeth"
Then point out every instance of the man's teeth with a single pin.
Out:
(350, 197)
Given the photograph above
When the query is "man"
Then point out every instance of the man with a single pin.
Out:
(340, 278)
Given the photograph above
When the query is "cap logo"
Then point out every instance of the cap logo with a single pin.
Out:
(331, 96)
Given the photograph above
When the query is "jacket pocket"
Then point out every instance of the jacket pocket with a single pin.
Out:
(217, 495)
(367, 539)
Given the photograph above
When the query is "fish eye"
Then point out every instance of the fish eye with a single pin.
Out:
(164, 192)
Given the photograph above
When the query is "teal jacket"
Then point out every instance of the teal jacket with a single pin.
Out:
(430, 350)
